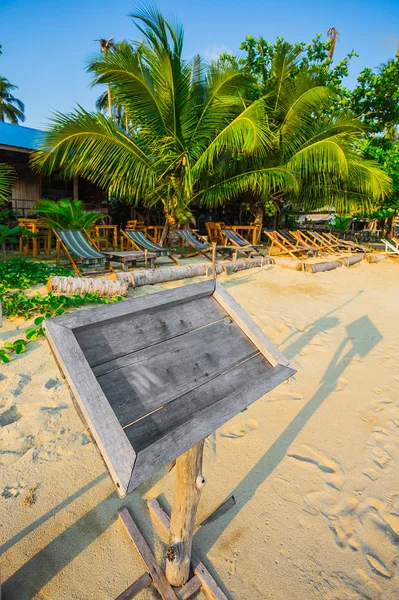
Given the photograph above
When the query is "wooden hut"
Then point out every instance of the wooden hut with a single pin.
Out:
(16, 145)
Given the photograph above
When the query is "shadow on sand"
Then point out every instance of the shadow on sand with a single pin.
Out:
(361, 338)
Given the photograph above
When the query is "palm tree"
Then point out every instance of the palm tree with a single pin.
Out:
(11, 108)
(333, 35)
(7, 179)
(105, 46)
(198, 136)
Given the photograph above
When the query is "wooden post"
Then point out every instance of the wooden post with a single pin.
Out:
(214, 260)
(188, 487)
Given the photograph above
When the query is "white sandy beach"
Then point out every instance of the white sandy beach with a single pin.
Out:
(313, 466)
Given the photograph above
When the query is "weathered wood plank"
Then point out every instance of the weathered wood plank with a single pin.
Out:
(145, 380)
(99, 416)
(188, 488)
(135, 332)
(249, 327)
(148, 430)
(192, 586)
(142, 582)
(99, 314)
(210, 586)
(206, 420)
(143, 549)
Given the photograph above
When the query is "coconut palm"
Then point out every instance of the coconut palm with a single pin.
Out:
(11, 109)
(67, 213)
(199, 138)
(7, 179)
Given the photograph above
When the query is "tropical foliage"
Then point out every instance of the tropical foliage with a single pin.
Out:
(202, 134)
(67, 213)
(7, 179)
(17, 275)
(11, 109)
(12, 235)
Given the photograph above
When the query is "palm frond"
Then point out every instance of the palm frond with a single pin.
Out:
(7, 180)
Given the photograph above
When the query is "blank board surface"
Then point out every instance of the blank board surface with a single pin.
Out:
(154, 375)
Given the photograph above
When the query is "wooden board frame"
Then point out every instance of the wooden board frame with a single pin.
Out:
(129, 466)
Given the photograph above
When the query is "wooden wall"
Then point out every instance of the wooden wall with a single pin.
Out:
(27, 191)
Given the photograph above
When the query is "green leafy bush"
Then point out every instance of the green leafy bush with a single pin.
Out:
(19, 346)
(21, 274)
(19, 304)
(68, 213)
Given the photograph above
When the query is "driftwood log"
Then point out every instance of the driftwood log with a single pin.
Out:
(375, 258)
(142, 277)
(75, 285)
(288, 263)
(348, 261)
(322, 266)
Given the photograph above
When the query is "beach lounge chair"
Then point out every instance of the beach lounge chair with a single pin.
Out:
(391, 246)
(200, 246)
(283, 245)
(141, 241)
(76, 243)
(328, 246)
(345, 244)
(301, 238)
(235, 239)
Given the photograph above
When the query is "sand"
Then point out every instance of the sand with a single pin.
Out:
(314, 466)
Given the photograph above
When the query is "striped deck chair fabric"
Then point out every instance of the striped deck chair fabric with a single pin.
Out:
(236, 239)
(78, 245)
(190, 238)
(139, 238)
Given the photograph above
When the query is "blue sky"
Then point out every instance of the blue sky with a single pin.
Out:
(45, 42)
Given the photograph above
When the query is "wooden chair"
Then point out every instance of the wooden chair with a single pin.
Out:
(77, 243)
(214, 233)
(235, 239)
(391, 246)
(200, 246)
(330, 247)
(283, 245)
(141, 241)
(301, 238)
(345, 244)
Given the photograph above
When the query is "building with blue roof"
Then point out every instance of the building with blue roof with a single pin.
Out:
(16, 144)
(16, 136)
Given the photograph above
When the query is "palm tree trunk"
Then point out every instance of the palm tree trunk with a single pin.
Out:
(109, 102)
(171, 223)
(257, 213)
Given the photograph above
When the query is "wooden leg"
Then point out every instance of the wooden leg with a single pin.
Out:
(143, 549)
(188, 487)
(211, 589)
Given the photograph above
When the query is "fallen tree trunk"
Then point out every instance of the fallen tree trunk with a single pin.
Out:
(375, 258)
(246, 263)
(81, 285)
(140, 277)
(151, 276)
(288, 263)
(348, 261)
(322, 266)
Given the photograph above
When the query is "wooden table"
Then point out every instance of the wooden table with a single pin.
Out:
(130, 258)
(107, 232)
(43, 235)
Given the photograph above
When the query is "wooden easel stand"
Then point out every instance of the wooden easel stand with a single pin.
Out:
(201, 578)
